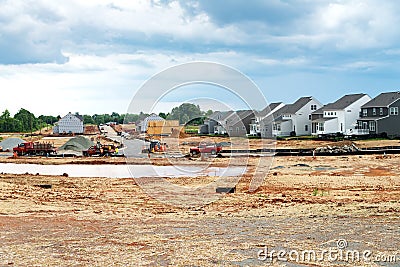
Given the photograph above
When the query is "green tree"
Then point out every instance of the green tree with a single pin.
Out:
(185, 112)
(87, 119)
(27, 119)
(131, 118)
(163, 115)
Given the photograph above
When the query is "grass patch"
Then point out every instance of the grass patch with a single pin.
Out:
(319, 192)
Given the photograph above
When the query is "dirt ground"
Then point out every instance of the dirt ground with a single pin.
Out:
(303, 204)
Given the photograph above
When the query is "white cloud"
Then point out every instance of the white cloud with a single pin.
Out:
(354, 24)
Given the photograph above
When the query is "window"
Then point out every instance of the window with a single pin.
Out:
(374, 111)
(365, 112)
(321, 126)
(394, 111)
(372, 126)
(380, 111)
(313, 107)
(306, 128)
(341, 127)
(237, 129)
(309, 117)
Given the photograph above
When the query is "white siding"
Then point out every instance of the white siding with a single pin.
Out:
(301, 118)
(69, 124)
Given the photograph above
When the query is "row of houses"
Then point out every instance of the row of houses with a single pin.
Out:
(353, 114)
(152, 125)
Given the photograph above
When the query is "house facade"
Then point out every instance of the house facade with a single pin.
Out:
(255, 124)
(340, 116)
(69, 124)
(380, 116)
(294, 119)
(216, 123)
(238, 123)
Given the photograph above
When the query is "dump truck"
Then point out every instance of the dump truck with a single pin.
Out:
(34, 148)
(101, 150)
(210, 148)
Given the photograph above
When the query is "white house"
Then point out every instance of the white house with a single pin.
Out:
(340, 116)
(295, 119)
(70, 123)
(255, 126)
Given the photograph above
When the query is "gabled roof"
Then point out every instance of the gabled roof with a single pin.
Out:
(240, 115)
(277, 115)
(220, 115)
(296, 106)
(80, 117)
(341, 103)
(268, 109)
(383, 100)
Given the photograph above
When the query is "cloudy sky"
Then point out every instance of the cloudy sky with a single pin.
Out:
(92, 56)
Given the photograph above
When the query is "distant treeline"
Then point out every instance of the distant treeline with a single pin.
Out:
(25, 121)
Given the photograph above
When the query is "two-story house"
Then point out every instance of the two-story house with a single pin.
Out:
(295, 119)
(216, 123)
(255, 124)
(238, 123)
(340, 116)
(70, 123)
(381, 115)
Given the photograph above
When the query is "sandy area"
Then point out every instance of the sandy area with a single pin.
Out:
(303, 203)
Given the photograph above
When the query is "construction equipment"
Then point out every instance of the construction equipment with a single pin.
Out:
(155, 146)
(34, 148)
(101, 150)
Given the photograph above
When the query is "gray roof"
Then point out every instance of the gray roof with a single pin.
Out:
(301, 102)
(383, 100)
(277, 115)
(268, 109)
(220, 115)
(239, 115)
(341, 103)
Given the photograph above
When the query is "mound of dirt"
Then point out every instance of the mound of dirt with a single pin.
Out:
(10, 143)
(77, 144)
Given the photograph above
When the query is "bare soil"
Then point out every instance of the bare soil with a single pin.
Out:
(303, 203)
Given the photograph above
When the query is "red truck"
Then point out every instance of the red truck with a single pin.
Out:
(34, 148)
(211, 148)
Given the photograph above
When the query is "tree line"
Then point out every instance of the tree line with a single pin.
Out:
(25, 121)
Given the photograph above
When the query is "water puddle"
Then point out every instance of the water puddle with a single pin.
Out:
(120, 171)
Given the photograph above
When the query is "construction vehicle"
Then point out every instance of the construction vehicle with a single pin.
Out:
(34, 148)
(101, 150)
(212, 149)
(155, 146)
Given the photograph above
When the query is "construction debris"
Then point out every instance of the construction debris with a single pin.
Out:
(337, 149)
